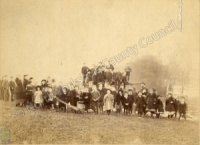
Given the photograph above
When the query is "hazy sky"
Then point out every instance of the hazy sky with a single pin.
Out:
(55, 37)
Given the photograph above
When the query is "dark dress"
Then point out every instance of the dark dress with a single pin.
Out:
(159, 106)
(151, 102)
(176, 104)
(126, 104)
(170, 105)
(131, 99)
(18, 91)
(118, 101)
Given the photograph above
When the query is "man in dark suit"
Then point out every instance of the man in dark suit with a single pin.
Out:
(84, 71)
(12, 87)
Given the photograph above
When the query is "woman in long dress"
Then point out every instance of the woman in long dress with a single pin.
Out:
(108, 102)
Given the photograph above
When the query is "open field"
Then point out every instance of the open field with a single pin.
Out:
(36, 127)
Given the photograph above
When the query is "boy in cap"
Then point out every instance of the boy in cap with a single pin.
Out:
(126, 103)
(141, 103)
(182, 107)
(170, 105)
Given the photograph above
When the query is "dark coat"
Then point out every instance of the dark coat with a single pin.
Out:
(140, 102)
(170, 104)
(74, 97)
(182, 108)
(18, 91)
(159, 106)
(151, 102)
(131, 98)
(65, 97)
(102, 94)
(86, 100)
(119, 99)
(176, 104)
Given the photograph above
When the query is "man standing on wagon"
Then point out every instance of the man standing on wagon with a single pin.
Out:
(128, 72)
(84, 71)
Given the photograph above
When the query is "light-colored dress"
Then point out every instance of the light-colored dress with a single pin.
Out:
(38, 97)
(108, 102)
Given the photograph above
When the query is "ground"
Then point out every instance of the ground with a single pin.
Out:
(35, 127)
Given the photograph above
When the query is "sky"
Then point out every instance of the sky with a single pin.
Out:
(55, 37)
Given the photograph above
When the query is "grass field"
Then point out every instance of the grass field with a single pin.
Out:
(36, 127)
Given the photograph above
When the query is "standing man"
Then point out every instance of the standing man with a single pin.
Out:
(144, 92)
(12, 87)
(95, 99)
(84, 71)
(128, 72)
(6, 89)
(102, 92)
(19, 95)
(100, 73)
(25, 82)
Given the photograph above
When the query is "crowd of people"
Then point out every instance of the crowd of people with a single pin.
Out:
(106, 73)
(99, 97)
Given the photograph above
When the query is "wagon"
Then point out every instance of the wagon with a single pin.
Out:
(80, 106)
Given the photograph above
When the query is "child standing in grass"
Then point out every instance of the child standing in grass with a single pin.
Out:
(176, 104)
(159, 107)
(182, 108)
(126, 103)
(118, 103)
(38, 100)
(140, 104)
(108, 101)
(170, 105)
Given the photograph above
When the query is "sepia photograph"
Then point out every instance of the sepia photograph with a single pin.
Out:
(99, 72)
